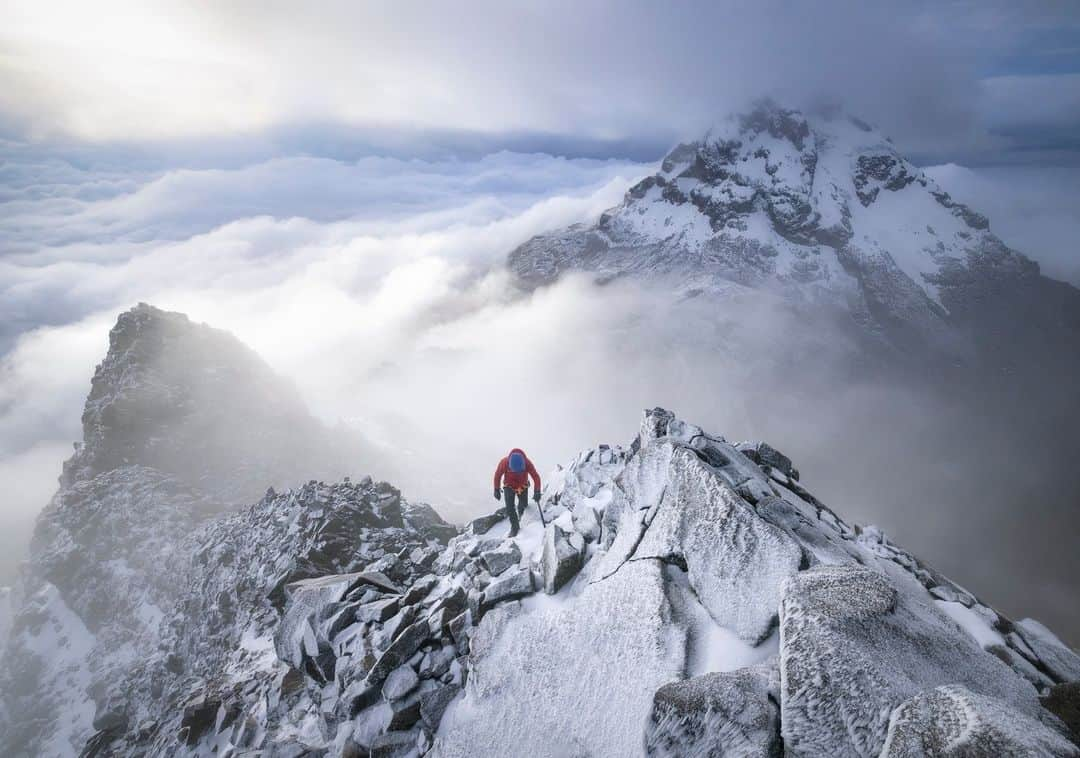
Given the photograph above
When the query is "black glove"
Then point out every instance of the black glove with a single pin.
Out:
(536, 496)
(498, 495)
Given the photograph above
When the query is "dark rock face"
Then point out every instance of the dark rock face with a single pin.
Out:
(1063, 700)
(393, 745)
(764, 454)
(433, 705)
(876, 172)
(199, 716)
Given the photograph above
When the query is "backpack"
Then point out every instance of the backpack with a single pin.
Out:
(516, 462)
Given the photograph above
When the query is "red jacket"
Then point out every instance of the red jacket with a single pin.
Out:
(516, 480)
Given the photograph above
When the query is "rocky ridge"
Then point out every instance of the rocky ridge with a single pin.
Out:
(684, 595)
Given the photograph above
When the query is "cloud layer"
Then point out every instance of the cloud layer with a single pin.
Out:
(308, 260)
(376, 286)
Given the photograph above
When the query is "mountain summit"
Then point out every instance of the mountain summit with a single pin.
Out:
(680, 596)
(196, 403)
(825, 210)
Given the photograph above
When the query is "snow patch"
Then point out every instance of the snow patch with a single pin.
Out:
(972, 623)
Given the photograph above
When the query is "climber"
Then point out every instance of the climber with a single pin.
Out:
(512, 478)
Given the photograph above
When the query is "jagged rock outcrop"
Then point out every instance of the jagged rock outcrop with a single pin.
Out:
(823, 209)
(271, 589)
(194, 402)
(182, 423)
(562, 557)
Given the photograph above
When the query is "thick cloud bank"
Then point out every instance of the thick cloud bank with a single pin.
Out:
(940, 74)
(377, 286)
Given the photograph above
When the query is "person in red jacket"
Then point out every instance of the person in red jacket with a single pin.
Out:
(512, 482)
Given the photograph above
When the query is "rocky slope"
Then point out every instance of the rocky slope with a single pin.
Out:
(686, 596)
(183, 424)
(823, 209)
(680, 596)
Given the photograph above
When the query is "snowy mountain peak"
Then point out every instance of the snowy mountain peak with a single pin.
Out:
(803, 171)
(821, 208)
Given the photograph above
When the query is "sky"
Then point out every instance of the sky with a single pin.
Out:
(338, 185)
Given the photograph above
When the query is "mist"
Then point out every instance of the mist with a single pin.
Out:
(407, 330)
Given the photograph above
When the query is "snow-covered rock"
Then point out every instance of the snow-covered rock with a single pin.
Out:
(859, 634)
(853, 647)
(679, 502)
(952, 721)
(570, 677)
(499, 559)
(717, 714)
(563, 555)
(699, 601)
(1061, 662)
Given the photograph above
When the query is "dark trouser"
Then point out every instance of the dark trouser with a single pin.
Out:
(514, 512)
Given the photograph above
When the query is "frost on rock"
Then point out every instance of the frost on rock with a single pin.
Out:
(1063, 663)
(735, 561)
(586, 481)
(574, 678)
(852, 648)
(562, 557)
(678, 503)
(731, 714)
(953, 722)
(502, 557)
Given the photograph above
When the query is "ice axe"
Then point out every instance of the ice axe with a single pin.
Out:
(540, 510)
